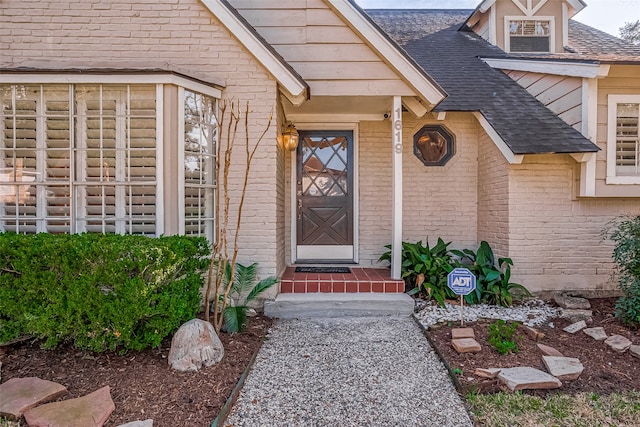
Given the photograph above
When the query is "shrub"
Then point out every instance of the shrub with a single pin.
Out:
(425, 267)
(98, 292)
(501, 336)
(626, 254)
(244, 289)
(493, 282)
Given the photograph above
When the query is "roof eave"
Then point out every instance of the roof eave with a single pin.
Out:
(412, 73)
(285, 75)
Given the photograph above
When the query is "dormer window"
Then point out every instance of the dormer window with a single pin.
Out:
(529, 35)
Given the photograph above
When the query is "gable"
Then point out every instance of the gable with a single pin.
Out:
(327, 51)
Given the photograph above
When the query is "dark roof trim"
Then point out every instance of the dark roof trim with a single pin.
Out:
(104, 71)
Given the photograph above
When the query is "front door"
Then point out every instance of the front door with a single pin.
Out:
(324, 196)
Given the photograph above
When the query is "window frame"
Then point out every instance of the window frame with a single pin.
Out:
(160, 79)
(552, 32)
(612, 120)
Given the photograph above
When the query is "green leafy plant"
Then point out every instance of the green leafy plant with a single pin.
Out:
(626, 254)
(458, 371)
(493, 282)
(99, 291)
(502, 336)
(425, 269)
(244, 289)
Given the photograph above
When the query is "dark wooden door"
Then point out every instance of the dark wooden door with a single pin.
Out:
(325, 188)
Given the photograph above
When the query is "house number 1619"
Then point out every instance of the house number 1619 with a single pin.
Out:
(397, 126)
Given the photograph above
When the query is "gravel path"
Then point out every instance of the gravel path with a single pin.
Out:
(348, 372)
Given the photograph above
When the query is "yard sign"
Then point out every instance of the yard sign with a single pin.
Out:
(462, 282)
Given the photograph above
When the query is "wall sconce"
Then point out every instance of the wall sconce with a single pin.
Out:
(290, 138)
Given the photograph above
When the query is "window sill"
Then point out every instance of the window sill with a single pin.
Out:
(623, 180)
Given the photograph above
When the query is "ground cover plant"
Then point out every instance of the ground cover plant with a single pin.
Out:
(98, 291)
(502, 336)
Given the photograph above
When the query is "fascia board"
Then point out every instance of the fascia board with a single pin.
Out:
(510, 156)
(408, 71)
(286, 77)
(572, 69)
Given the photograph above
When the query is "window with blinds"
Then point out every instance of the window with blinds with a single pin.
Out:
(627, 139)
(76, 158)
(529, 36)
(200, 139)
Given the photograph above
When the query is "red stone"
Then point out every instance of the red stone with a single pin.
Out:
(18, 395)
(92, 410)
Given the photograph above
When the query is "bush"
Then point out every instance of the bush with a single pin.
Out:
(427, 268)
(627, 255)
(98, 292)
(493, 282)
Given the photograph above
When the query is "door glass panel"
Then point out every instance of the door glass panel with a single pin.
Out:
(324, 171)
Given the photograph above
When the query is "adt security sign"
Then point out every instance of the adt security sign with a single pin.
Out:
(461, 281)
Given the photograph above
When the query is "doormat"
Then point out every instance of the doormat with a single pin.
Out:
(323, 270)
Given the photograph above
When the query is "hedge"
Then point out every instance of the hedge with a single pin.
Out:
(98, 291)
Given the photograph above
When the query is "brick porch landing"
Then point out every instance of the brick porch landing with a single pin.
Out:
(360, 280)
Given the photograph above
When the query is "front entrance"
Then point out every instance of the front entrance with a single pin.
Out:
(324, 197)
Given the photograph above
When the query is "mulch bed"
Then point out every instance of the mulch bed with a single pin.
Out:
(604, 370)
(142, 383)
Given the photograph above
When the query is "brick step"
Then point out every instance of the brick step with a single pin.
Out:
(360, 280)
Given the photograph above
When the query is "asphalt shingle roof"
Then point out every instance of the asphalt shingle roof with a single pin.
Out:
(452, 58)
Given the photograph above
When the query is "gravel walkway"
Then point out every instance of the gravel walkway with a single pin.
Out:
(348, 372)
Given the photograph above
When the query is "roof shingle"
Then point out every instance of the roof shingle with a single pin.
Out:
(452, 58)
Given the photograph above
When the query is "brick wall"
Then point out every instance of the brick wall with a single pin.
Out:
(556, 239)
(438, 201)
(156, 33)
(493, 196)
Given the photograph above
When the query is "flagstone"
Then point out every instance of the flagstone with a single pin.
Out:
(457, 333)
(566, 301)
(487, 372)
(575, 327)
(618, 343)
(527, 378)
(466, 345)
(92, 410)
(635, 350)
(564, 368)
(549, 351)
(597, 334)
(18, 395)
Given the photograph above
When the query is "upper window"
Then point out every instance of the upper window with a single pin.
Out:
(526, 35)
(623, 142)
(433, 145)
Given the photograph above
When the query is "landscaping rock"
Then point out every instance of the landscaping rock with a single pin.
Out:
(145, 423)
(576, 315)
(487, 373)
(195, 345)
(18, 395)
(533, 333)
(92, 410)
(618, 343)
(566, 301)
(563, 368)
(457, 333)
(597, 334)
(526, 378)
(549, 351)
(466, 345)
(575, 327)
(635, 350)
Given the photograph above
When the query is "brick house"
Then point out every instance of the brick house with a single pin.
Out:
(509, 123)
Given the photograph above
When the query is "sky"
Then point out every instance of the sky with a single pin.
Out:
(606, 15)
